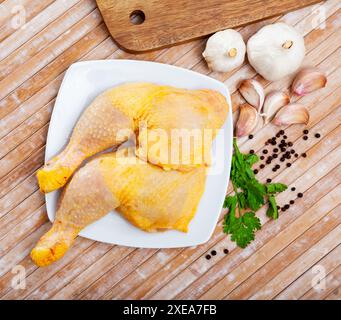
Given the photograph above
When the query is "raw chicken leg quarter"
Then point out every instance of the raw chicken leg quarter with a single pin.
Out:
(150, 190)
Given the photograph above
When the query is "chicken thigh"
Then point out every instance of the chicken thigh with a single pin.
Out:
(145, 194)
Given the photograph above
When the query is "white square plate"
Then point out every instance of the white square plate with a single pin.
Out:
(83, 81)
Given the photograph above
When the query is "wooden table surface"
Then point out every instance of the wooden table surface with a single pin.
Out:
(295, 257)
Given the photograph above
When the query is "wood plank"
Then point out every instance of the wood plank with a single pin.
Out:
(335, 295)
(43, 38)
(45, 56)
(300, 265)
(305, 282)
(303, 243)
(32, 8)
(332, 282)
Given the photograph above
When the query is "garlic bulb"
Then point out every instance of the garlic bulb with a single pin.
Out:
(225, 51)
(253, 93)
(247, 121)
(276, 51)
(291, 114)
(274, 101)
(308, 80)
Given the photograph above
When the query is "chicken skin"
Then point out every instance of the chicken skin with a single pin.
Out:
(145, 194)
(154, 113)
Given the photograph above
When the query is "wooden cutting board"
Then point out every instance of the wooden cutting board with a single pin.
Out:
(141, 25)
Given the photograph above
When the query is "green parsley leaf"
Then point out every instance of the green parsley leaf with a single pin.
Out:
(243, 229)
(251, 159)
(272, 211)
(275, 188)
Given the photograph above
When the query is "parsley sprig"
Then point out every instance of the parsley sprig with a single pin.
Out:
(249, 196)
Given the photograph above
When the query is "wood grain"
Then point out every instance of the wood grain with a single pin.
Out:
(164, 23)
(280, 263)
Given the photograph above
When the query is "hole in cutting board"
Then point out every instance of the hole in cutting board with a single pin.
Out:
(137, 17)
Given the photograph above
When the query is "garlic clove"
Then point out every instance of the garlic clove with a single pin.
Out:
(247, 121)
(291, 114)
(308, 80)
(253, 93)
(274, 101)
(259, 125)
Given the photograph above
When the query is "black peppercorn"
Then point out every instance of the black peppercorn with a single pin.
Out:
(283, 209)
(261, 157)
(286, 206)
(213, 252)
(252, 151)
(251, 136)
(274, 169)
(304, 155)
(290, 144)
(268, 161)
(282, 159)
(265, 151)
(281, 131)
(255, 171)
(293, 189)
(278, 135)
(208, 257)
(317, 135)
(262, 166)
(275, 155)
(300, 195)
(273, 143)
(277, 166)
(288, 164)
(305, 137)
(283, 149)
(305, 131)
(226, 251)
(292, 201)
(285, 137)
(269, 158)
(268, 180)
(296, 155)
(292, 151)
(276, 150)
